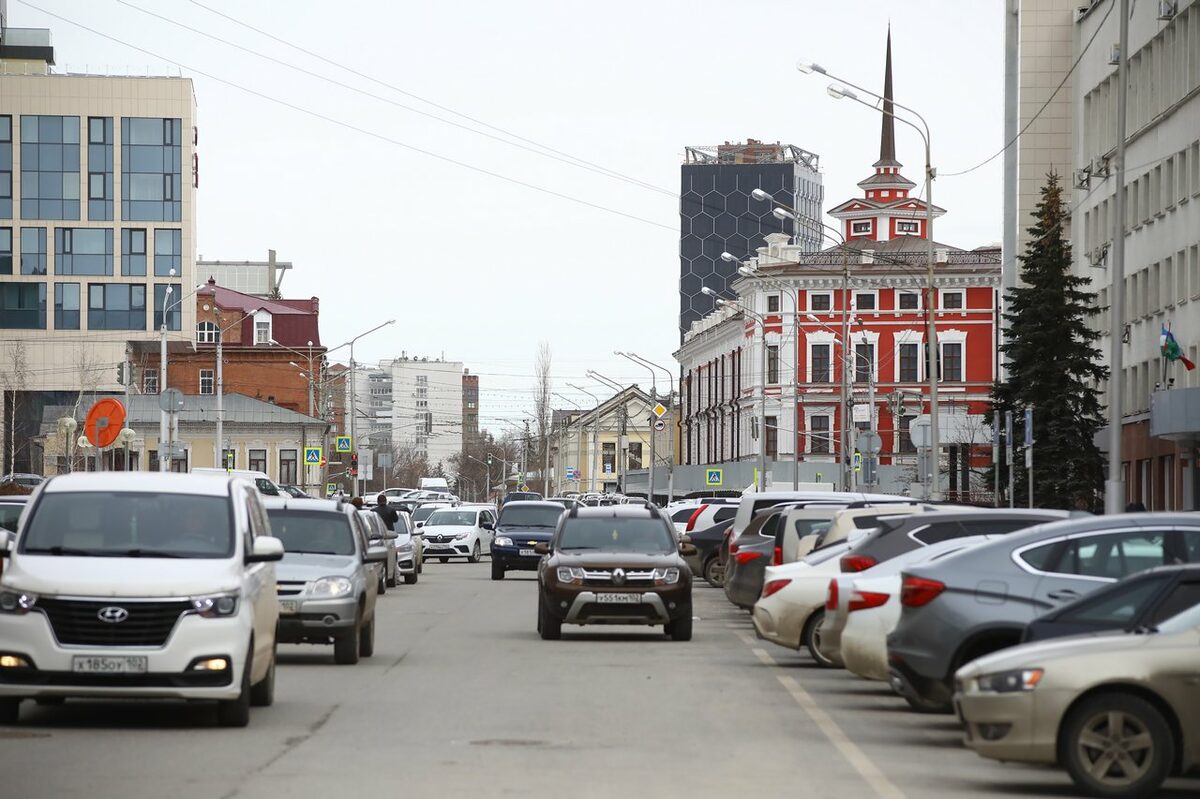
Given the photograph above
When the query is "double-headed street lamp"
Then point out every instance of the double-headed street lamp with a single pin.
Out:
(671, 399)
(354, 387)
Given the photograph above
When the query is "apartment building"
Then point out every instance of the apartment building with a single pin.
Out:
(426, 406)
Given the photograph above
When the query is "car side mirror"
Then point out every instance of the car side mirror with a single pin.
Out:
(686, 549)
(390, 536)
(265, 549)
(420, 525)
(6, 541)
(375, 555)
(488, 526)
(542, 549)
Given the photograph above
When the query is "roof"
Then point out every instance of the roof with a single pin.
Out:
(917, 206)
(887, 133)
(155, 482)
(142, 409)
(295, 321)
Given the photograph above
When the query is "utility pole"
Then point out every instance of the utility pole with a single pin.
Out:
(221, 397)
(1114, 489)
(847, 397)
(653, 438)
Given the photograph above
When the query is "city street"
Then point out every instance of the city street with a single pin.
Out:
(463, 699)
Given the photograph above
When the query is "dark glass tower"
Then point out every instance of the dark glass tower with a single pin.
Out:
(717, 213)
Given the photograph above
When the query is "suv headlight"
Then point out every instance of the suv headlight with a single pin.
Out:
(570, 575)
(215, 607)
(17, 602)
(503, 541)
(666, 576)
(330, 587)
(1008, 682)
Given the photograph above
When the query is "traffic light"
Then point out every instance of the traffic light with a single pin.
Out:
(121, 373)
(354, 464)
(489, 460)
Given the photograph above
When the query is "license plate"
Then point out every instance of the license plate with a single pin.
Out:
(528, 553)
(619, 599)
(289, 605)
(123, 664)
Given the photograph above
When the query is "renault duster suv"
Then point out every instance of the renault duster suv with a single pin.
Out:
(614, 565)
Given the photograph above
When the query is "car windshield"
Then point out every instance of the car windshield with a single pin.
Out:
(616, 535)
(422, 513)
(445, 518)
(9, 514)
(312, 533)
(530, 516)
(266, 487)
(128, 524)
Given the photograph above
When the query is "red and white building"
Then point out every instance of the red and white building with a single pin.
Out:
(877, 281)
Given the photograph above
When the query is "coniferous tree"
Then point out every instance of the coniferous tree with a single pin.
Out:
(1054, 367)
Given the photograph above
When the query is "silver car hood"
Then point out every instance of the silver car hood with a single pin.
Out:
(297, 567)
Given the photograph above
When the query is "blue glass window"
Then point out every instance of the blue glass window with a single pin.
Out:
(168, 252)
(23, 306)
(66, 306)
(49, 167)
(116, 306)
(100, 168)
(6, 167)
(6, 250)
(33, 251)
(151, 169)
(133, 252)
(83, 251)
(173, 305)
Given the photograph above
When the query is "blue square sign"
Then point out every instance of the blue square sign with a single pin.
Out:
(714, 478)
(343, 444)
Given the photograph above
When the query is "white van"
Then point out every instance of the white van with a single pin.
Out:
(265, 485)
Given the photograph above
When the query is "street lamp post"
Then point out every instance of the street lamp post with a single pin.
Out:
(762, 393)
(164, 458)
(622, 428)
(653, 437)
(671, 399)
(354, 391)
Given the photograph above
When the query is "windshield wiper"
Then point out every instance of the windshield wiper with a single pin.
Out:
(310, 552)
(574, 548)
(137, 552)
(60, 550)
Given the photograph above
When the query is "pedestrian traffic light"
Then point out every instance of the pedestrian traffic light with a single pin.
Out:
(354, 464)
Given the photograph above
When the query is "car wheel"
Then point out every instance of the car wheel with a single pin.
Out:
(474, 556)
(714, 573)
(681, 628)
(263, 694)
(236, 712)
(366, 640)
(923, 704)
(382, 587)
(393, 581)
(497, 570)
(549, 626)
(345, 649)
(1117, 745)
(10, 711)
(811, 638)
(410, 579)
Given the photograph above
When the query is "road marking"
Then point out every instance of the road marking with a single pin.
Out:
(857, 759)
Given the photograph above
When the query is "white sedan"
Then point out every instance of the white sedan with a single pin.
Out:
(792, 607)
(462, 532)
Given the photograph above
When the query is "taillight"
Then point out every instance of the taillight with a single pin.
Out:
(773, 586)
(857, 563)
(691, 522)
(831, 598)
(733, 547)
(747, 556)
(916, 592)
(867, 599)
(777, 559)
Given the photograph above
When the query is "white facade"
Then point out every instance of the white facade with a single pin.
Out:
(427, 406)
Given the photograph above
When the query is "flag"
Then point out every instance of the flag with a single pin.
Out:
(1171, 349)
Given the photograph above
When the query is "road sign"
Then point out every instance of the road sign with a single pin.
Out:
(660, 425)
(858, 461)
(331, 488)
(919, 430)
(312, 456)
(659, 410)
(870, 442)
(104, 422)
(714, 478)
(608, 467)
(171, 400)
(343, 444)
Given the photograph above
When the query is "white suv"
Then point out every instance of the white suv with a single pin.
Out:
(140, 585)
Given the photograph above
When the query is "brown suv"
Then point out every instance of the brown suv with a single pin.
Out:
(614, 565)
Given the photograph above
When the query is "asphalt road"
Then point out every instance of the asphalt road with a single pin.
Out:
(463, 699)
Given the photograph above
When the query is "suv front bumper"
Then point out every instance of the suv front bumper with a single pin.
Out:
(582, 605)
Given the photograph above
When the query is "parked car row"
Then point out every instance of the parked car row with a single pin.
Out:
(181, 586)
(1057, 638)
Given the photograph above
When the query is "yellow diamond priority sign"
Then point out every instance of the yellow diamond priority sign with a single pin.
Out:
(659, 410)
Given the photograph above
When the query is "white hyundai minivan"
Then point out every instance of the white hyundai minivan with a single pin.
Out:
(126, 584)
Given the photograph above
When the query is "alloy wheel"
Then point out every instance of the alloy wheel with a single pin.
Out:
(1115, 748)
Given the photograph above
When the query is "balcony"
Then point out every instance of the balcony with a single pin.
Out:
(1175, 414)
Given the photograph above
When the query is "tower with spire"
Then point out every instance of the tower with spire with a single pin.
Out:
(887, 210)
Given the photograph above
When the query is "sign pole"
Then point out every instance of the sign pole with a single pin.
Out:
(1029, 450)
(1008, 457)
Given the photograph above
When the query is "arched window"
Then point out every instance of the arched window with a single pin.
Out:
(206, 333)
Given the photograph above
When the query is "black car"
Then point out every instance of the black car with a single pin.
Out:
(707, 543)
(521, 527)
(1137, 603)
(750, 555)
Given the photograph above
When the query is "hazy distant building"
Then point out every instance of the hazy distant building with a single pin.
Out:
(427, 406)
(470, 406)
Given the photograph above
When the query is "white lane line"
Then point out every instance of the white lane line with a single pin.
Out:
(858, 760)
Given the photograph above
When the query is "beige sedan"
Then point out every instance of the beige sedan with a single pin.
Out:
(1121, 712)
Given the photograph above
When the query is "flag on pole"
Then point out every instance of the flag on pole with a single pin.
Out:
(1171, 349)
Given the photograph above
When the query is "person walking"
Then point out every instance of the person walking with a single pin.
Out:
(386, 513)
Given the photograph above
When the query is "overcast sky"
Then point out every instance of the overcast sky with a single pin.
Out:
(479, 268)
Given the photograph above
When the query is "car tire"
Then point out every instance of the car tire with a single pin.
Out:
(923, 704)
(681, 628)
(410, 579)
(366, 639)
(1139, 720)
(549, 626)
(393, 581)
(811, 639)
(497, 570)
(474, 556)
(10, 711)
(382, 587)
(236, 712)
(713, 573)
(262, 694)
(345, 649)
(444, 560)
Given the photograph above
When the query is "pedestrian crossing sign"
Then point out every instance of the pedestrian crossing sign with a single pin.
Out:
(312, 456)
(343, 444)
(714, 478)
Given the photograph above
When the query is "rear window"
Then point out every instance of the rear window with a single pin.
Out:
(312, 533)
(866, 522)
(682, 515)
(944, 531)
(725, 514)
(517, 516)
(805, 527)
(9, 514)
(616, 535)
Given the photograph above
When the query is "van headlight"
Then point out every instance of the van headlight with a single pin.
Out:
(215, 607)
(17, 602)
(330, 587)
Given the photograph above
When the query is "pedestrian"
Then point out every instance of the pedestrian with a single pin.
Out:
(386, 513)
(1135, 507)
(357, 502)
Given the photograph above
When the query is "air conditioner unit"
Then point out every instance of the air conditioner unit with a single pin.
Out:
(1100, 168)
(1167, 9)
(1083, 177)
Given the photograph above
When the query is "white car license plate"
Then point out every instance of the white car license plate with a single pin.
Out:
(619, 599)
(528, 553)
(289, 605)
(123, 664)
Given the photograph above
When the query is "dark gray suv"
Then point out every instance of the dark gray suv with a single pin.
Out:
(980, 601)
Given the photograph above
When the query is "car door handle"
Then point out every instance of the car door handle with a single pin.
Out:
(1065, 593)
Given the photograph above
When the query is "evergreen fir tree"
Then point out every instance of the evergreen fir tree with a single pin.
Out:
(1054, 366)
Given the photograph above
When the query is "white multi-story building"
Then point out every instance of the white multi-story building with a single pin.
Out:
(427, 406)
(97, 191)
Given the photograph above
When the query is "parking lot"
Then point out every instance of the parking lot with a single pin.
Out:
(462, 699)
